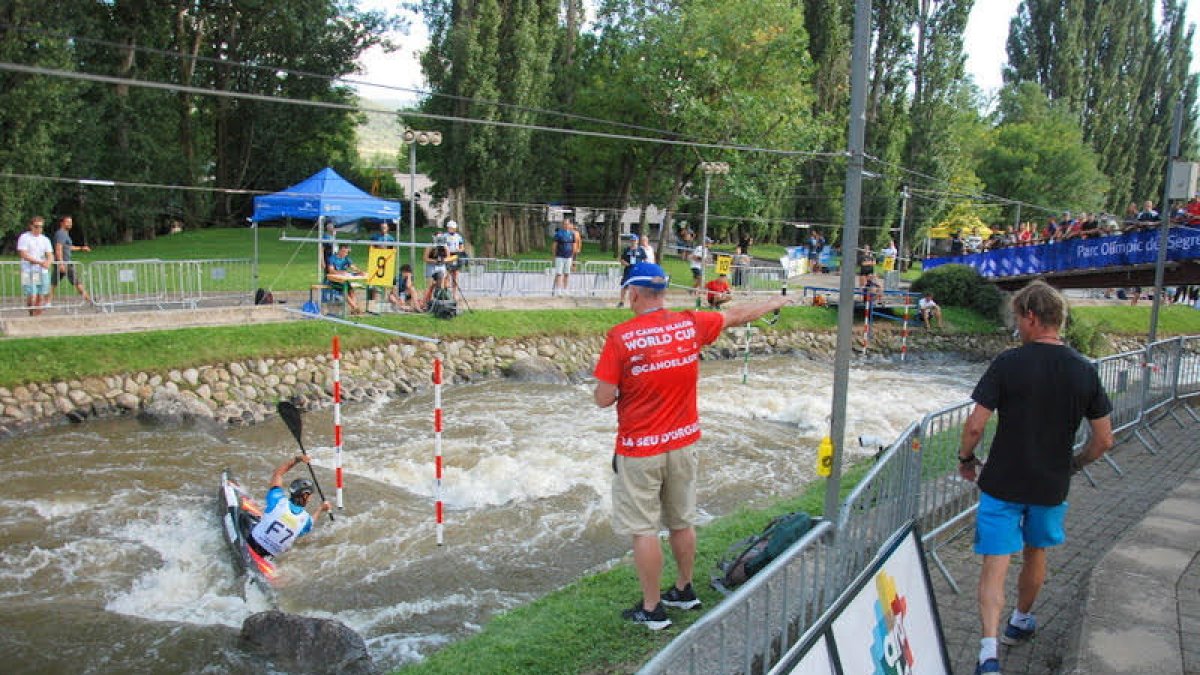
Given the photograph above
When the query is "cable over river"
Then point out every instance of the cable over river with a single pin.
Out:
(112, 559)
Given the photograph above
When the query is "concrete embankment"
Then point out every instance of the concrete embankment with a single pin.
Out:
(245, 392)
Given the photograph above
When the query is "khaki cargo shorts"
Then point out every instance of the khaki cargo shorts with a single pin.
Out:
(649, 492)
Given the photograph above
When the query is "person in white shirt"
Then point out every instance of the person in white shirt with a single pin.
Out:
(927, 307)
(37, 256)
(696, 262)
(455, 248)
(644, 242)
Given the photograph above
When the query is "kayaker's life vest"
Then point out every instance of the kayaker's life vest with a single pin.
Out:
(280, 527)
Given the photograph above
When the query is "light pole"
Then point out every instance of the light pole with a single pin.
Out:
(709, 168)
(415, 137)
(904, 195)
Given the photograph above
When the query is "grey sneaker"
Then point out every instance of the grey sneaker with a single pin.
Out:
(681, 599)
(655, 620)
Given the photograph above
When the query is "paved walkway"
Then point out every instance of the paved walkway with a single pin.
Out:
(1123, 594)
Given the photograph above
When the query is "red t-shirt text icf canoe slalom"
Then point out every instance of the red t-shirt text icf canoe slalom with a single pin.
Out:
(654, 360)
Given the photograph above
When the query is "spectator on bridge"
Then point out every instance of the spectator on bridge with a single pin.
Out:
(1130, 221)
(956, 244)
(1050, 231)
(1148, 216)
(1192, 211)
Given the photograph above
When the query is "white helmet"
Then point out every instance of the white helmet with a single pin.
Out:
(451, 225)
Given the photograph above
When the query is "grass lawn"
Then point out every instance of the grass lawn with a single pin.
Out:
(578, 628)
(1125, 320)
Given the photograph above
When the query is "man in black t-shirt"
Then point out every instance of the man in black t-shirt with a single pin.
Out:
(1041, 392)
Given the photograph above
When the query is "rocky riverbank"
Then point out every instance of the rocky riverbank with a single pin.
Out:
(245, 392)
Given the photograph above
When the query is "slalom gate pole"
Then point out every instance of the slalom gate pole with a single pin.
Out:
(745, 353)
(867, 329)
(337, 417)
(904, 331)
(437, 448)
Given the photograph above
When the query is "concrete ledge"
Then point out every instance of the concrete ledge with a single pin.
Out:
(1132, 622)
(49, 325)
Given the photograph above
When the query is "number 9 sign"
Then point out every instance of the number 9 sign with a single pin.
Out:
(381, 266)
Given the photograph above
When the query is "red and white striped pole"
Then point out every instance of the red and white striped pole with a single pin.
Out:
(904, 331)
(437, 447)
(337, 417)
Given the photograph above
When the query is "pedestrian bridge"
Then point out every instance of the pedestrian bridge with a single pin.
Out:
(1122, 260)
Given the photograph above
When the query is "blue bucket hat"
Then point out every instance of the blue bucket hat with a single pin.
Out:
(647, 275)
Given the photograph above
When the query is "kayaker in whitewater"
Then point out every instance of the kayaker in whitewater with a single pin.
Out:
(285, 518)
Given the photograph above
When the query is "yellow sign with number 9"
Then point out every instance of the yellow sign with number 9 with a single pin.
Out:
(381, 266)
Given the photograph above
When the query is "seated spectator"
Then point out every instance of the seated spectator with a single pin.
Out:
(403, 295)
(340, 264)
(719, 291)
(927, 307)
(873, 290)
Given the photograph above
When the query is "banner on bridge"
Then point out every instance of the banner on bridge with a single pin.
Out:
(1132, 248)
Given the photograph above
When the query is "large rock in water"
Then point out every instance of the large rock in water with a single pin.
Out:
(174, 408)
(536, 369)
(302, 644)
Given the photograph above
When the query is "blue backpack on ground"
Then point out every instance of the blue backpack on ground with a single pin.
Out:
(747, 557)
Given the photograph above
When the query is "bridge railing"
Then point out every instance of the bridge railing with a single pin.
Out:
(915, 479)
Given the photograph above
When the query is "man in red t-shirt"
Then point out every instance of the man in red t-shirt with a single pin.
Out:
(719, 291)
(649, 367)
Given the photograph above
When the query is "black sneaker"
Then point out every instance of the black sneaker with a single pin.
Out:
(656, 620)
(685, 599)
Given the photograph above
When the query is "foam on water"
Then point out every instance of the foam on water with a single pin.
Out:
(195, 582)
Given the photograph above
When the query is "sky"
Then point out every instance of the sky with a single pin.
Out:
(986, 33)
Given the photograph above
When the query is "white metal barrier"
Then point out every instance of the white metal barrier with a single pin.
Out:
(63, 296)
(916, 478)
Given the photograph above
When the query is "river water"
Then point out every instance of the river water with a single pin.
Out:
(111, 558)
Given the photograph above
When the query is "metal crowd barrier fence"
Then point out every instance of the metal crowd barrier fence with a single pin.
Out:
(753, 629)
(158, 284)
(63, 296)
(498, 277)
(915, 479)
(879, 505)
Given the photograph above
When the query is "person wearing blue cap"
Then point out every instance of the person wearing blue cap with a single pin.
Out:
(649, 367)
(631, 255)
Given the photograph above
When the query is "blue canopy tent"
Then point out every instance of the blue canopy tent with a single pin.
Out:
(325, 195)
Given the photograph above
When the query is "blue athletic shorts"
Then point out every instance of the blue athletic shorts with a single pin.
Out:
(1004, 528)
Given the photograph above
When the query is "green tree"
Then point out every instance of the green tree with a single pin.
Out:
(1038, 154)
(36, 112)
(1119, 73)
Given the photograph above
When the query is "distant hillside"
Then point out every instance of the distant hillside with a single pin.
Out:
(379, 135)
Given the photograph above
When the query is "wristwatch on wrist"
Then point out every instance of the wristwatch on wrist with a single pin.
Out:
(969, 459)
